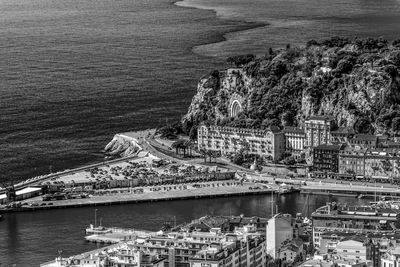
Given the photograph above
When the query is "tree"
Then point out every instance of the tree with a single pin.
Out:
(396, 124)
(203, 152)
(179, 146)
(289, 160)
(238, 158)
(241, 60)
(363, 125)
(193, 133)
(396, 43)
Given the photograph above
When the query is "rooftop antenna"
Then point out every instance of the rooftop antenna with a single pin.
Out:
(95, 218)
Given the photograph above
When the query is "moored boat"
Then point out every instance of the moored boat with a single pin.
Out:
(97, 230)
(94, 229)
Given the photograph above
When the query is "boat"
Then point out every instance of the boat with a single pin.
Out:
(94, 229)
(284, 189)
(98, 230)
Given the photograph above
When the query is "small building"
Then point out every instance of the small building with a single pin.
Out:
(352, 249)
(291, 251)
(341, 135)
(28, 192)
(364, 141)
(3, 199)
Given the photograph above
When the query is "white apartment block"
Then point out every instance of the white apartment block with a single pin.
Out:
(269, 144)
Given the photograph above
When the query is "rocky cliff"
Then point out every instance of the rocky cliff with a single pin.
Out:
(355, 81)
(122, 146)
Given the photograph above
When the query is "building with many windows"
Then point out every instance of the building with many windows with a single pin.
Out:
(341, 135)
(326, 159)
(317, 131)
(294, 141)
(269, 144)
(363, 141)
(379, 163)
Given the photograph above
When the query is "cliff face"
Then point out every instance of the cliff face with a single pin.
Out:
(356, 82)
(122, 146)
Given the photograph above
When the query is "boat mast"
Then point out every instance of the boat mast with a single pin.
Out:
(272, 204)
(95, 217)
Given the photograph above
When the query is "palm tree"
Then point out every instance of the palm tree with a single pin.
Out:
(188, 144)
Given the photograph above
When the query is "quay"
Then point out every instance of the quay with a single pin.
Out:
(205, 191)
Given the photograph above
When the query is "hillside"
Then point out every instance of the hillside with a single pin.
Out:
(355, 81)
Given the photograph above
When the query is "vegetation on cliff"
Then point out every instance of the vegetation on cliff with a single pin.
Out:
(355, 81)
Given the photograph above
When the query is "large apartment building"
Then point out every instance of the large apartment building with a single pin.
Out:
(269, 144)
(317, 130)
(294, 141)
(326, 159)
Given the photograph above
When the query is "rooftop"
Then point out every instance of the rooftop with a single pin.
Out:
(343, 130)
(328, 147)
(320, 117)
(364, 137)
(290, 129)
(28, 190)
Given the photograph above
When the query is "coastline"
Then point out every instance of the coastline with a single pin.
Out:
(242, 27)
